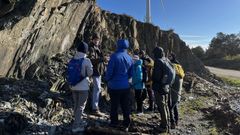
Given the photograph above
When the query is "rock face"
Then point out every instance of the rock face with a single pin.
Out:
(32, 39)
(141, 35)
(49, 28)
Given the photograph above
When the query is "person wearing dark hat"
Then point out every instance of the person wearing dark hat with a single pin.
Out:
(80, 90)
(175, 91)
(97, 58)
(160, 89)
(119, 71)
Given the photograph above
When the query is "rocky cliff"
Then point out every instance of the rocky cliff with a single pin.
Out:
(36, 35)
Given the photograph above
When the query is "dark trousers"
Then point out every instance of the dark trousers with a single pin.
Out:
(139, 100)
(150, 96)
(173, 111)
(122, 98)
(162, 103)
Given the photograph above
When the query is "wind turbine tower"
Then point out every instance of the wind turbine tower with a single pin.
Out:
(148, 11)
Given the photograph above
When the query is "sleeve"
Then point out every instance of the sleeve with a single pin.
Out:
(95, 61)
(110, 68)
(130, 70)
(157, 72)
(139, 72)
(89, 68)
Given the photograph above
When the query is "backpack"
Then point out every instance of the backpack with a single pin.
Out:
(145, 74)
(169, 72)
(74, 71)
(179, 70)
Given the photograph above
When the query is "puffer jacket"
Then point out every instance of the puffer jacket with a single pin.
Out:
(137, 79)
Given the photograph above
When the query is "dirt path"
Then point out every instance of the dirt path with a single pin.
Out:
(225, 72)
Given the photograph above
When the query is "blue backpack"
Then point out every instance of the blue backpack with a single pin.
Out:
(74, 71)
(169, 72)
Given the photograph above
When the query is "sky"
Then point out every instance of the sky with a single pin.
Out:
(196, 21)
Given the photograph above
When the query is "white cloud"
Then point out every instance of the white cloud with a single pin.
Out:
(192, 36)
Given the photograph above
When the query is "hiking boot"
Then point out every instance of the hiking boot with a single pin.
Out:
(97, 113)
(173, 125)
(163, 129)
(176, 123)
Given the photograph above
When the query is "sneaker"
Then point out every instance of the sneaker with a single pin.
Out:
(84, 123)
(125, 128)
(84, 115)
(97, 113)
(140, 114)
(78, 128)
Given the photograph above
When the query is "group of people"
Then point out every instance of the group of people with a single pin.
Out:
(124, 72)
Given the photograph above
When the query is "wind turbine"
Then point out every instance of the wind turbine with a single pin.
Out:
(148, 11)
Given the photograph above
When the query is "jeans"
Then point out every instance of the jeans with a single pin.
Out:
(122, 98)
(96, 92)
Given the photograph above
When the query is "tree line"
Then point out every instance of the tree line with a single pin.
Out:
(222, 45)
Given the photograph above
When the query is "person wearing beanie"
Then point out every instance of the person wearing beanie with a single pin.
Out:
(97, 58)
(119, 71)
(80, 90)
(175, 91)
(159, 88)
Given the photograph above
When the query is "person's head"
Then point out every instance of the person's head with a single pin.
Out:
(96, 39)
(135, 58)
(136, 51)
(158, 52)
(172, 57)
(122, 44)
(142, 53)
(82, 47)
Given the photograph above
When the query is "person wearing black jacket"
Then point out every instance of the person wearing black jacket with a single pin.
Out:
(97, 59)
(160, 89)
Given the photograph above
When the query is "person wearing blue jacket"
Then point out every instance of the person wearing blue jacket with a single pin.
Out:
(119, 71)
(137, 82)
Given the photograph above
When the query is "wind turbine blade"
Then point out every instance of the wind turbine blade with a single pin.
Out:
(162, 5)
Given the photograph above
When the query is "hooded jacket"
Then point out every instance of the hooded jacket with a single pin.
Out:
(119, 68)
(158, 70)
(137, 79)
(87, 70)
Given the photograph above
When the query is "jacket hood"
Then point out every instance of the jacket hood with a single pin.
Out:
(79, 55)
(138, 62)
(122, 44)
(158, 52)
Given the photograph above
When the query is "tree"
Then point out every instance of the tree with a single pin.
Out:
(199, 52)
(224, 45)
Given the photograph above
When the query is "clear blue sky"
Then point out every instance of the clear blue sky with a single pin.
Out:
(196, 21)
